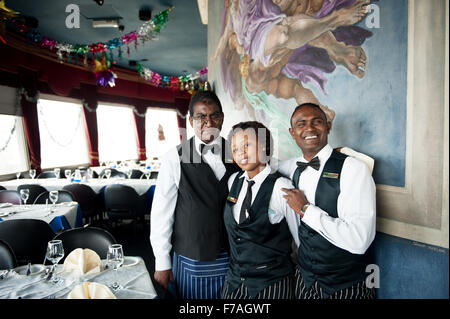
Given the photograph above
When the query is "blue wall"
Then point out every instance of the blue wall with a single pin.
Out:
(409, 269)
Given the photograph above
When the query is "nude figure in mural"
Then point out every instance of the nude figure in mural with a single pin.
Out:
(278, 44)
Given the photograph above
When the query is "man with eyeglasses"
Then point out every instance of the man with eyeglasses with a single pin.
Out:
(187, 210)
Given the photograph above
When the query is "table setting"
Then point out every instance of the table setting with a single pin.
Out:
(83, 275)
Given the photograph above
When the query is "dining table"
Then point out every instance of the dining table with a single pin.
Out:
(132, 276)
(141, 186)
(60, 217)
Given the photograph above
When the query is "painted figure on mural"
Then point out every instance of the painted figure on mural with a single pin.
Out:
(277, 45)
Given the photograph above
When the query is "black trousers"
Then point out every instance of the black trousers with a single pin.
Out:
(357, 291)
(283, 289)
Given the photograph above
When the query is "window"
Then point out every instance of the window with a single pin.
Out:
(161, 131)
(117, 139)
(13, 150)
(62, 133)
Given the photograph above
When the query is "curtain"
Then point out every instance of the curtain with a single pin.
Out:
(89, 99)
(28, 99)
(139, 119)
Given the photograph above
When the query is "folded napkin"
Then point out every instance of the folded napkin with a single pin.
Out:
(86, 261)
(369, 161)
(91, 290)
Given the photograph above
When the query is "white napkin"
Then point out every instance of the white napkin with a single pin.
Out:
(91, 290)
(369, 161)
(86, 261)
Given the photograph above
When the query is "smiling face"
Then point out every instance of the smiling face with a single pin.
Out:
(310, 130)
(248, 153)
(207, 120)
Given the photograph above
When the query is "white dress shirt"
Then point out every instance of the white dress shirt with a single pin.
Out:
(354, 229)
(165, 200)
(278, 207)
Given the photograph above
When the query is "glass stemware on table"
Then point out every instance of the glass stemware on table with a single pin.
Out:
(53, 196)
(115, 259)
(32, 173)
(55, 252)
(56, 170)
(18, 175)
(107, 173)
(24, 195)
(67, 173)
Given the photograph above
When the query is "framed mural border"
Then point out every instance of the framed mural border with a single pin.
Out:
(419, 211)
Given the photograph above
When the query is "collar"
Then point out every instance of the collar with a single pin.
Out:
(323, 155)
(198, 142)
(260, 177)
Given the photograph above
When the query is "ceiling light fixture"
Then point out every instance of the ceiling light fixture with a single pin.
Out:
(145, 14)
(99, 2)
(105, 23)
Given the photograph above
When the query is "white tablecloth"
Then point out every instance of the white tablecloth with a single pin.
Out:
(140, 185)
(132, 276)
(42, 212)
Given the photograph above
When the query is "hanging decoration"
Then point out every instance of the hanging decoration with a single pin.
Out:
(5, 14)
(103, 73)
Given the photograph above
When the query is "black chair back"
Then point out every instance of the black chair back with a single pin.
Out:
(35, 191)
(94, 238)
(87, 199)
(136, 174)
(63, 197)
(49, 174)
(122, 202)
(7, 257)
(2, 188)
(10, 196)
(28, 239)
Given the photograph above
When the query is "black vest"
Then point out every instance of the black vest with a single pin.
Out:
(259, 251)
(318, 259)
(198, 231)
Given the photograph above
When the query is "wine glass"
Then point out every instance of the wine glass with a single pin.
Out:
(56, 170)
(18, 175)
(147, 174)
(67, 173)
(24, 195)
(53, 196)
(55, 252)
(115, 260)
(32, 173)
(129, 173)
(90, 173)
(108, 173)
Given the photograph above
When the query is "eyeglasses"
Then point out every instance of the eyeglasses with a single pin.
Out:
(204, 117)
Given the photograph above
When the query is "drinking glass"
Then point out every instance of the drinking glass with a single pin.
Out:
(56, 171)
(53, 196)
(108, 173)
(129, 173)
(32, 173)
(24, 195)
(18, 175)
(67, 173)
(90, 173)
(147, 174)
(55, 252)
(115, 260)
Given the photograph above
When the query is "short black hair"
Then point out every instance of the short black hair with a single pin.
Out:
(256, 126)
(310, 105)
(203, 96)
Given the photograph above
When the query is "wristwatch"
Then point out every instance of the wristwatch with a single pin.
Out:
(304, 208)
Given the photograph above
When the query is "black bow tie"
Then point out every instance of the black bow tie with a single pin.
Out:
(214, 148)
(314, 163)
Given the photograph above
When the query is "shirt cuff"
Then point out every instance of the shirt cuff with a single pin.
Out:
(312, 215)
(163, 263)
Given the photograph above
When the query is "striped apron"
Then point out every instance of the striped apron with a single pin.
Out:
(200, 279)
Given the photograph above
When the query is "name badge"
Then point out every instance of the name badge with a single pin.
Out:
(330, 175)
(232, 199)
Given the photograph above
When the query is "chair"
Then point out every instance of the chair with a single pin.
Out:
(28, 239)
(63, 197)
(88, 200)
(94, 238)
(49, 174)
(35, 191)
(2, 188)
(10, 196)
(114, 173)
(122, 202)
(7, 257)
(136, 174)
